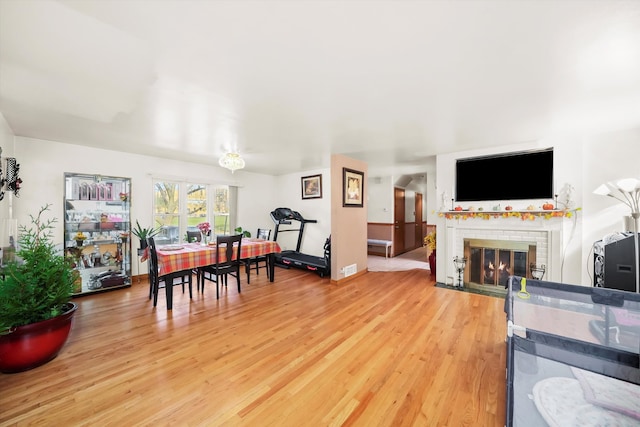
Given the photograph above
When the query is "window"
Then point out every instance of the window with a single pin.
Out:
(180, 206)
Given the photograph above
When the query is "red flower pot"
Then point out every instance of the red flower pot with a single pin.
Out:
(29, 346)
(432, 262)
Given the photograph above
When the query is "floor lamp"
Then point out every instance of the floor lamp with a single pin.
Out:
(626, 191)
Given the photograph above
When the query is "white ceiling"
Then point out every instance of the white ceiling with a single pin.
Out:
(288, 83)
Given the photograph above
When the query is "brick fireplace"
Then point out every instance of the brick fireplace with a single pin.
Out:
(509, 242)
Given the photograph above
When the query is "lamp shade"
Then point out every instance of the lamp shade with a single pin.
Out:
(231, 161)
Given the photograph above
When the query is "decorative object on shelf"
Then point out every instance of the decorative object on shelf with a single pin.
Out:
(460, 264)
(205, 230)
(231, 161)
(537, 271)
(311, 187)
(124, 197)
(14, 182)
(352, 188)
(143, 233)
(627, 191)
(79, 237)
(523, 215)
(35, 299)
(564, 200)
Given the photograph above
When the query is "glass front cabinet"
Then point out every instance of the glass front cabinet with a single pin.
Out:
(97, 231)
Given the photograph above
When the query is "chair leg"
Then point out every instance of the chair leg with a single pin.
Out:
(155, 294)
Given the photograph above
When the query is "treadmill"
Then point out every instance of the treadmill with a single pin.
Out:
(289, 258)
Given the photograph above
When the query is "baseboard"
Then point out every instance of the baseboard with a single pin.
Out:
(350, 278)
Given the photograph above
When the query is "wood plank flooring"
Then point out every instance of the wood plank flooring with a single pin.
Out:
(386, 349)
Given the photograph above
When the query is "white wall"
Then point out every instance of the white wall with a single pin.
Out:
(380, 199)
(289, 195)
(43, 164)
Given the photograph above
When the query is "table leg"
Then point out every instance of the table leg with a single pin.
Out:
(168, 290)
(271, 259)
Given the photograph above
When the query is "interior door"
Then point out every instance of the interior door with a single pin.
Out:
(418, 211)
(398, 221)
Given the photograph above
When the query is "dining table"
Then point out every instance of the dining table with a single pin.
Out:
(174, 258)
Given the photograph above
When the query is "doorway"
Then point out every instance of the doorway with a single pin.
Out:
(398, 220)
(419, 233)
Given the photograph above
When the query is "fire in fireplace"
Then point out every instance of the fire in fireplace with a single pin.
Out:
(491, 262)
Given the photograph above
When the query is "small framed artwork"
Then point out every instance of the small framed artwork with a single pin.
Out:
(352, 188)
(311, 187)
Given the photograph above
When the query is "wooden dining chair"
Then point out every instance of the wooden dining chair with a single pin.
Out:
(168, 281)
(228, 248)
(264, 234)
(194, 236)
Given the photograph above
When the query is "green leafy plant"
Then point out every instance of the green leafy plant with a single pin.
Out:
(39, 284)
(245, 233)
(143, 233)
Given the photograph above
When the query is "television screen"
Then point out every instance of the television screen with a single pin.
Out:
(510, 176)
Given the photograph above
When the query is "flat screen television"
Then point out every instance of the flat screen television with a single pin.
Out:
(509, 176)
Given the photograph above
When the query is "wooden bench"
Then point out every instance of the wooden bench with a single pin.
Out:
(385, 243)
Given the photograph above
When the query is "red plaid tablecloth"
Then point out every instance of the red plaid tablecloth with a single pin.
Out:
(193, 255)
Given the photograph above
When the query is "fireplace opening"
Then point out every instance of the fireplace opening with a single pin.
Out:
(491, 262)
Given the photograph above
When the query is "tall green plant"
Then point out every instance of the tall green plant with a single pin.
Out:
(143, 232)
(37, 286)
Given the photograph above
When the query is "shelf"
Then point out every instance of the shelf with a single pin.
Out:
(93, 208)
(525, 215)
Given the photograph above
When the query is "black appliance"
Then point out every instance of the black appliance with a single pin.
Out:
(614, 264)
(320, 265)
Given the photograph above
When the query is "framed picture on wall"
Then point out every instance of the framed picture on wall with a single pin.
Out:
(311, 187)
(352, 188)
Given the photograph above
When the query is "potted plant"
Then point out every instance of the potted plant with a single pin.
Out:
(36, 311)
(143, 233)
(245, 233)
(430, 242)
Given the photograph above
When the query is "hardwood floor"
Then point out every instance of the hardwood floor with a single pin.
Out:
(386, 349)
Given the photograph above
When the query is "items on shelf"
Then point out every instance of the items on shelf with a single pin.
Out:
(97, 227)
(527, 215)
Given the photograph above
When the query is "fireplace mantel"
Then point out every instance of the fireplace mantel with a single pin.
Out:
(524, 215)
(550, 230)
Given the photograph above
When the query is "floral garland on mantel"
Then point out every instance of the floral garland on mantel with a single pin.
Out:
(523, 215)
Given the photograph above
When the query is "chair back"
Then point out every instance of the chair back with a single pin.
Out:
(263, 233)
(194, 236)
(153, 260)
(228, 245)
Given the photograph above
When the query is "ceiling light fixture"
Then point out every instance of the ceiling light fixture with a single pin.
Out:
(231, 161)
(627, 191)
